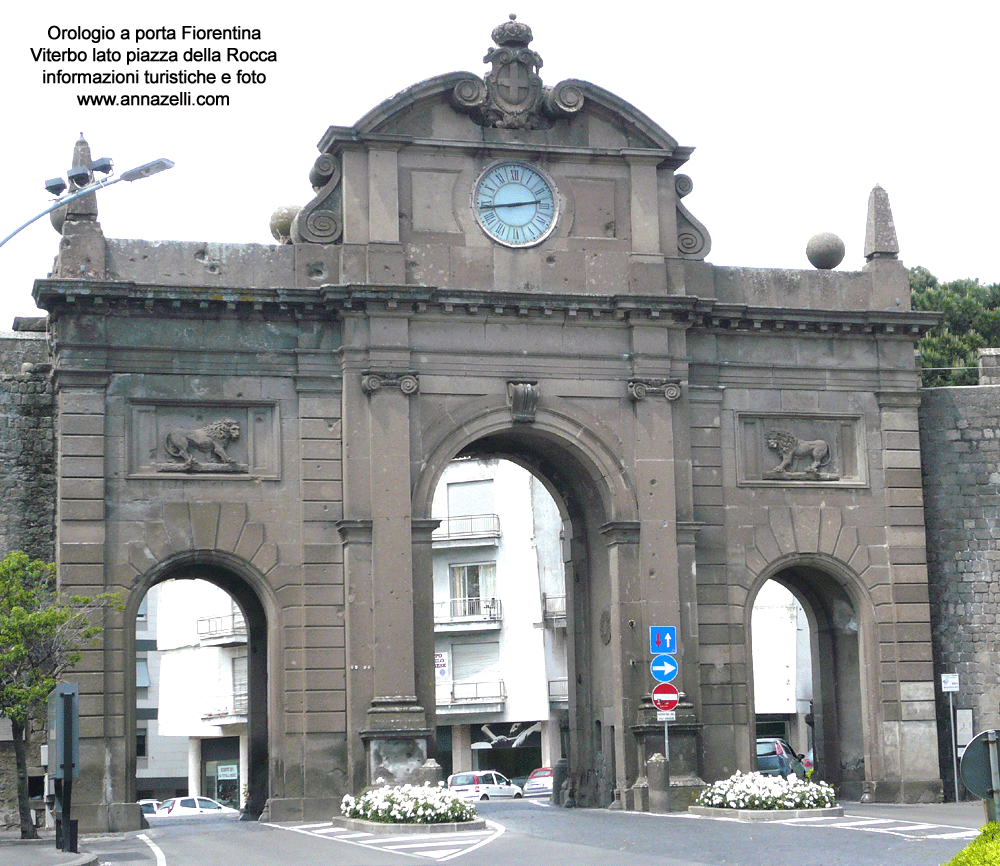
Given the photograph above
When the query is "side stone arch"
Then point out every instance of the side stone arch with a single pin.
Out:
(258, 602)
(863, 683)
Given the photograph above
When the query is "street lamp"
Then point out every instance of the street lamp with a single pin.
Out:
(81, 183)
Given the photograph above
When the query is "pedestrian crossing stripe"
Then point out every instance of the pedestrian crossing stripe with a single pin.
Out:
(432, 846)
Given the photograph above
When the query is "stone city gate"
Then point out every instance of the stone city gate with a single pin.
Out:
(499, 270)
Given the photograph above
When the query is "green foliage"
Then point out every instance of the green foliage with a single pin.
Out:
(971, 322)
(984, 850)
(40, 634)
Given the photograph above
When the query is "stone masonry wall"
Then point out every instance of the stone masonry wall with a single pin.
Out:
(960, 442)
(27, 489)
(27, 458)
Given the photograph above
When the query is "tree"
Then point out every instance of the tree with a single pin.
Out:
(971, 321)
(40, 638)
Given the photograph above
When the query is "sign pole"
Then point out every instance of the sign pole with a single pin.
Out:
(666, 754)
(991, 803)
(954, 745)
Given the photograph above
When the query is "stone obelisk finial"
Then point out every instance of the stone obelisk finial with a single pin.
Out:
(880, 234)
(81, 249)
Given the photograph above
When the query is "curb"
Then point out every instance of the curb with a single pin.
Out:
(42, 852)
(379, 829)
(765, 814)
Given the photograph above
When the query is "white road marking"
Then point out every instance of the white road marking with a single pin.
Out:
(408, 844)
(161, 860)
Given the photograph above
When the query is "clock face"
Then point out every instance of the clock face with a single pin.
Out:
(515, 204)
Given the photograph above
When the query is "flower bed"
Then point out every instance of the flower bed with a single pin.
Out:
(755, 791)
(409, 804)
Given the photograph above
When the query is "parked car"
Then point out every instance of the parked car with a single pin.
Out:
(539, 783)
(483, 785)
(776, 758)
(187, 806)
(149, 807)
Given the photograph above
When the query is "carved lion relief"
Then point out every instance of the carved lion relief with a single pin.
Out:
(211, 440)
(191, 439)
(778, 449)
(791, 448)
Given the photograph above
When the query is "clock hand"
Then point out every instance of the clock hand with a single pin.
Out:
(509, 204)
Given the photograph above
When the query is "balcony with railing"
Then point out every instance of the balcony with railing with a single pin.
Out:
(227, 630)
(228, 709)
(468, 614)
(461, 697)
(554, 610)
(559, 693)
(471, 530)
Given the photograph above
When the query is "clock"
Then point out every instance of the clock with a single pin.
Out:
(515, 204)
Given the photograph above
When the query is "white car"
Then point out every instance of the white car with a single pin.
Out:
(483, 785)
(539, 783)
(187, 806)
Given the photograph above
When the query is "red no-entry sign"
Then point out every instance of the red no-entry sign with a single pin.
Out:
(665, 696)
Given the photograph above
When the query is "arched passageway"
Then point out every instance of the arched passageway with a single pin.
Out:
(602, 753)
(247, 592)
(838, 624)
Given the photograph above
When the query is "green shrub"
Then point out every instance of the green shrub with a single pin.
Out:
(984, 850)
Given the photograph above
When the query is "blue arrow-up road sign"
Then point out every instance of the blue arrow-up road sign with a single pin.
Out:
(663, 668)
(662, 639)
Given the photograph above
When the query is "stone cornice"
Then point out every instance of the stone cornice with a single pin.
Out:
(61, 296)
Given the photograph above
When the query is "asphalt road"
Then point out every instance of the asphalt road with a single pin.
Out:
(531, 832)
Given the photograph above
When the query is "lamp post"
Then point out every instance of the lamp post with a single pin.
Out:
(81, 174)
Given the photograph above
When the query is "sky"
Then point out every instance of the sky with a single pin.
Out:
(796, 110)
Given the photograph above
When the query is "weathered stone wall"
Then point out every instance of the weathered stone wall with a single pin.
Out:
(27, 458)
(27, 489)
(960, 441)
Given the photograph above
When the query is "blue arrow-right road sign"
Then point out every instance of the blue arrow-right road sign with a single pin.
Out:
(662, 639)
(663, 668)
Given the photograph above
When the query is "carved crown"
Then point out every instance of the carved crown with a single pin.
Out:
(512, 32)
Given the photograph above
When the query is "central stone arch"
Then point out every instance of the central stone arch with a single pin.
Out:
(575, 458)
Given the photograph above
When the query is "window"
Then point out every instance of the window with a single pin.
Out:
(141, 674)
(140, 743)
(473, 588)
(470, 497)
(475, 661)
(240, 685)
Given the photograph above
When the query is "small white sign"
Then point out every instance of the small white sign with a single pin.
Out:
(228, 771)
(666, 715)
(441, 666)
(963, 728)
(949, 682)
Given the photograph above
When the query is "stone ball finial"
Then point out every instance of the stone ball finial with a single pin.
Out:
(281, 223)
(512, 32)
(825, 251)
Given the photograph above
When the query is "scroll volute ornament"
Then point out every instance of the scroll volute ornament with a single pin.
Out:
(372, 381)
(321, 221)
(641, 388)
